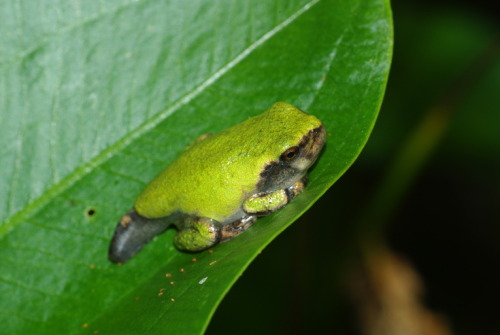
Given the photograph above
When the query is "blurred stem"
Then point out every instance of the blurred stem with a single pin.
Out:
(407, 164)
(421, 143)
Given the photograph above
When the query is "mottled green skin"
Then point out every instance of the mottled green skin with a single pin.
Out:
(213, 177)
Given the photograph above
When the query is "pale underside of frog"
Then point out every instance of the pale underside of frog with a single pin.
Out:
(220, 184)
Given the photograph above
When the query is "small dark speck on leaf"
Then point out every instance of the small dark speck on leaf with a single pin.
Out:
(90, 212)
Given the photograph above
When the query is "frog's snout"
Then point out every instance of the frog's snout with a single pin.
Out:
(311, 145)
(318, 138)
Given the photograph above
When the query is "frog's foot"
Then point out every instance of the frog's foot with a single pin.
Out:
(132, 233)
(237, 227)
(197, 234)
(264, 203)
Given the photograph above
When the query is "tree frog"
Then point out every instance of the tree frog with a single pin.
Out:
(222, 183)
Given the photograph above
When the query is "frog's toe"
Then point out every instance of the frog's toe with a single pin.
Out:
(131, 234)
(237, 227)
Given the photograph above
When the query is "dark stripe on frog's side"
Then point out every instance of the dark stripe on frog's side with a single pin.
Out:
(275, 174)
(279, 171)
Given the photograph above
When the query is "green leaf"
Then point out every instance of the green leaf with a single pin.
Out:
(98, 97)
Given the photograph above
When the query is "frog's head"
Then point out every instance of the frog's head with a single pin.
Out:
(294, 162)
(301, 156)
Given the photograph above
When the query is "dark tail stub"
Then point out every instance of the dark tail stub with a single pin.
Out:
(132, 233)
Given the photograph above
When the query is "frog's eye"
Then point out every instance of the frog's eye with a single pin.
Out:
(290, 154)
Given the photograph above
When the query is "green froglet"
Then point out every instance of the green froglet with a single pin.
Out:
(220, 184)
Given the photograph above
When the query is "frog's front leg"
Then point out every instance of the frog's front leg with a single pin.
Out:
(264, 203)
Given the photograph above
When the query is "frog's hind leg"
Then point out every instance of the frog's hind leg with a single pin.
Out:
(132, 233)
(197, 234)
